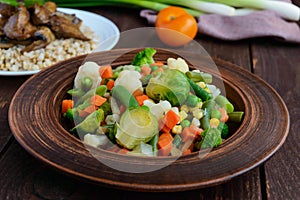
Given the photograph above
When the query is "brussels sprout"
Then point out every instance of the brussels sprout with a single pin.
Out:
(171, 85)
(136, 125)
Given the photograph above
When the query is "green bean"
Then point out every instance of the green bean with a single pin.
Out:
(197, 77)
(75, 92)
(236, 116)
(216, 114)
(207, 106)
(224, 130)
(86, 83)
(199, 91)
(224, 103)
(145, 80)
(126, 98)
(153, 143)
(177, 141)
(153, 68)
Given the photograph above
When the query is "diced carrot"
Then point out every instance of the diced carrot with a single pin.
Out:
(106, 72)
(88, 110)
(137, 92)
(165, 144)
(145, 70)
(97, 100)
(157, 63)
(224, 115)
(141, 98)
(190, 133)
(187, 151)
(66, 105)
(110, 84)
(123, 151)
(171, 119)
(162, 127)
(114, 148)
(168, 121)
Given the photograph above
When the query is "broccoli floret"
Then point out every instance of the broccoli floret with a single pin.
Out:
(144, 57)
(211, 138)
(224, 130)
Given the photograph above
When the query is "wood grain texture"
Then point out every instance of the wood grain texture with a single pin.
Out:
(52, 144)
(23, 177)
(282, 170)
(9, 86)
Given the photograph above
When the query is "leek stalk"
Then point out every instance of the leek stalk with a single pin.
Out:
(284, 9)
(203, 6)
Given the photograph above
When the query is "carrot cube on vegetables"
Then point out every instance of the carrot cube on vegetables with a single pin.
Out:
(66, 105)
(110, 84)
(157, 63)
(141, 98)
(145, 70)
(137, 92)
(106, 72)
(190, 133)
(165, 144)
(97, 100)
(171, 119)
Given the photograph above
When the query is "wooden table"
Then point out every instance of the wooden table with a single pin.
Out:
(24, 177)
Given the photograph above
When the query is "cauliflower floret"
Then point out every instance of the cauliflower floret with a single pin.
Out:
(95, 140)
(130, 80)
(178, 63)
(111, 119)
(158, 109)
(88, 69)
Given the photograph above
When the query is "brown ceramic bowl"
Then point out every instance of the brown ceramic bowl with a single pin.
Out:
(35, 121)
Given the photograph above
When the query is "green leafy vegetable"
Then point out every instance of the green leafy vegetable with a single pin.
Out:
(170, 85)
(90, 123)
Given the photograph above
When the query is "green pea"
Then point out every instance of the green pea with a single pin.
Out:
(215, 114)
(185, 123)
(153, 68)
(192, 100)
(86, 83)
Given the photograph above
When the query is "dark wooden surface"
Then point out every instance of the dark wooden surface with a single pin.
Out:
(24, 177)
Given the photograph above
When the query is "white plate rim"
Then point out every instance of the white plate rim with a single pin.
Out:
(79, 13)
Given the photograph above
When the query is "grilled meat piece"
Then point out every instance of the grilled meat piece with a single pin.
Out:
(6, 43)
(42, 13)
(3, 21)
(44, 36)
(66, 26)
(18, 26)
(7, 10)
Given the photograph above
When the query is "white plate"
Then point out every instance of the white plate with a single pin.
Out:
(102, 27)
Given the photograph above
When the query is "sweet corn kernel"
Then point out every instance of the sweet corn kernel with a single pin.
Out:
(198, 113)
(183, 115)
(201, 84)
(184, 108)
(214, 122)
(196, 122)
(177, 129)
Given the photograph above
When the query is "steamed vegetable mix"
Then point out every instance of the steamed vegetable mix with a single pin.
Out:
(148, 108)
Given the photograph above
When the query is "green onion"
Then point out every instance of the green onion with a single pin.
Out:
(203, 6)
(284, 9)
